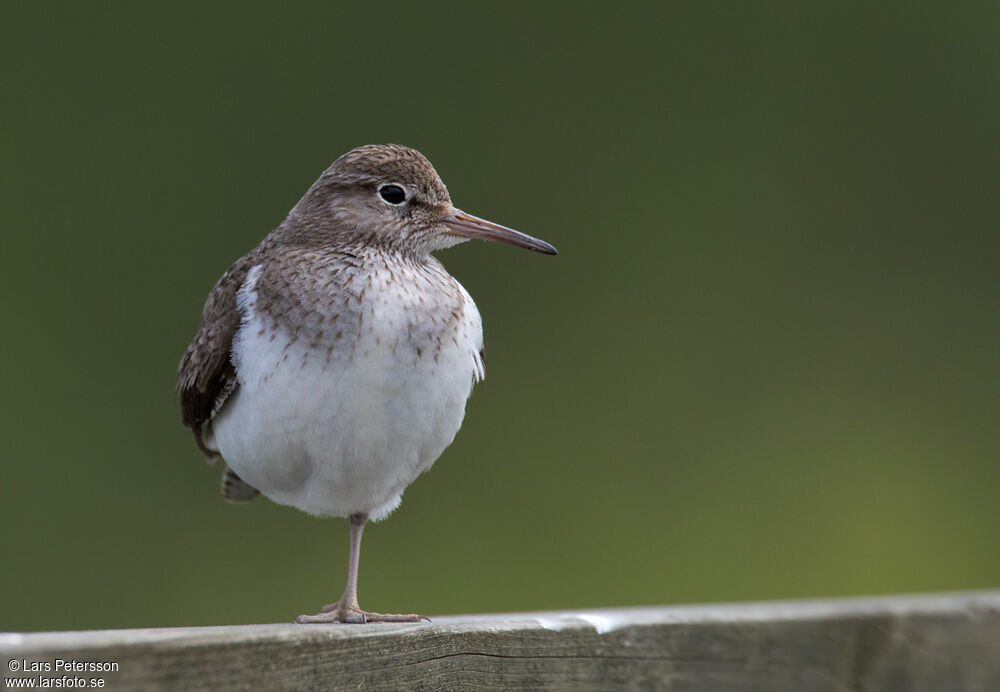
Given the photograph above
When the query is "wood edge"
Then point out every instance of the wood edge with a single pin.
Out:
(601, 620)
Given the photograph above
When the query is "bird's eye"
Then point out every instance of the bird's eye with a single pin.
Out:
(393, 194)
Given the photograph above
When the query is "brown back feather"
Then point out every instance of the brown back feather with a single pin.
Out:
(206, 375)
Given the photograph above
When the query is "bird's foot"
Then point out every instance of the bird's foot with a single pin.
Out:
(352, 614)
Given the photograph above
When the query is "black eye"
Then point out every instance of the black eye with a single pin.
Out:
(393, 194)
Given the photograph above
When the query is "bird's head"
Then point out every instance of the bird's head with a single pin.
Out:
(390, 195)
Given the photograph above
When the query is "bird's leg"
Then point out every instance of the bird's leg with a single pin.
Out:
(349, 600)
(347, 609)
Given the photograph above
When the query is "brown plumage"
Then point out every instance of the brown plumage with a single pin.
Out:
(205, 376)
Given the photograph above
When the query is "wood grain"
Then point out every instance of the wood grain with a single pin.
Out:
(948, 642)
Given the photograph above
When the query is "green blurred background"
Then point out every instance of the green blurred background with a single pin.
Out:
(763, 366)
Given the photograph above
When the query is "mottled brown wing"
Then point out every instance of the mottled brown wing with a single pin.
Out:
(205, 376)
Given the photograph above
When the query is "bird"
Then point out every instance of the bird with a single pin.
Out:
(333, 361)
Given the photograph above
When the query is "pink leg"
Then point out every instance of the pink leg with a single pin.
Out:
(346, 610)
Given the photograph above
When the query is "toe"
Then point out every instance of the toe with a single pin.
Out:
(355, 616)
(319, 618)
(391, 617)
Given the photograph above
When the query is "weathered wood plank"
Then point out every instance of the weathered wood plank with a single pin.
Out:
(936, 642)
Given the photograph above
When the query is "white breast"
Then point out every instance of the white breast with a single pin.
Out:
(343, 427)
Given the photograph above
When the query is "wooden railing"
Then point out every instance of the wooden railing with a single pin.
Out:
(937, 643)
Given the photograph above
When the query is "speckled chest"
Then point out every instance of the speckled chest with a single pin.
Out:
(330, 306)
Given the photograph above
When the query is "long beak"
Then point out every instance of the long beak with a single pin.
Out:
(468, 226)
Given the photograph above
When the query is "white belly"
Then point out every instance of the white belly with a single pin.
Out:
(344, 430)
